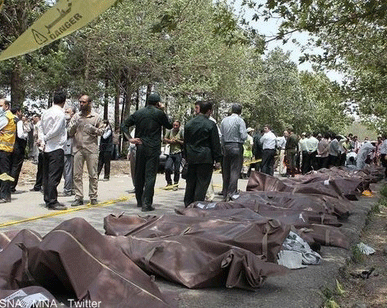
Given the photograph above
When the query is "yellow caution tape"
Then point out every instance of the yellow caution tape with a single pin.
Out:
(73, 209)
(6, 177)
(170, 187)
(62, 19)
(249, 162)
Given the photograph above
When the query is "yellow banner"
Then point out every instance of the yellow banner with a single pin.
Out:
(62, 19)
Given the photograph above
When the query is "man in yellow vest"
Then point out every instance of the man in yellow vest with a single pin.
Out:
(7, 141)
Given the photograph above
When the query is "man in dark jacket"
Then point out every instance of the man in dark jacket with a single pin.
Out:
(148, 122)
(202, 147)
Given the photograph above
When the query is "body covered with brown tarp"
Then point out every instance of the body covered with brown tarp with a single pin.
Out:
(74, 261)
(201, 251)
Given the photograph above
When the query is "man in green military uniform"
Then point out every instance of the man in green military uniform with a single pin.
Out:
(202, 147)
(148, 122)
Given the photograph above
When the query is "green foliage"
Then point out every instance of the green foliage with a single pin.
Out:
(383, 191)
(357, 256)
(186, 50)
(375, 209)
(284, 97)
(352, 35)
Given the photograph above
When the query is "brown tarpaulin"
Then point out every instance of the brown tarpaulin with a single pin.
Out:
(75, 261)
(202, 252)
(262, 236)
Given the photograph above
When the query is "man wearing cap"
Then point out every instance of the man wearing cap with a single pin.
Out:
(233, 135)
(7, 141)
(148, 121)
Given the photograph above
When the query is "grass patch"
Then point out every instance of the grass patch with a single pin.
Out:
(330, 295)
(375, 209)
(382, 202)
(357, 256)
(383, 191)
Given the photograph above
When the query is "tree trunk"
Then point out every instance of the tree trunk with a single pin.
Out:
(148, 91)
(138, 99)
(117, 106)
(128, 101)
(106, 101)
(17, 85)
(50, 99)
(117, 123)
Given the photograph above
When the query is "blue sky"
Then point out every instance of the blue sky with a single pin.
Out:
(269, 29)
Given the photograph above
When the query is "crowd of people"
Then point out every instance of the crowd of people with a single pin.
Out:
(67, 139)
(64, 140)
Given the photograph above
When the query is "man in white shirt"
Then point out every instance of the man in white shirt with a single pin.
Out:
(311, 146)
(23, 127)
(268, 141)
(54, 137)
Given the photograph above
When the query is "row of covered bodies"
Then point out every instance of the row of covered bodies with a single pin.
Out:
(232, 244)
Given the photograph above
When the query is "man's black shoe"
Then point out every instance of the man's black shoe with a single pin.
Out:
(77, 202)
(57, 207)
(93, 202)
(13, 190)
(147, 208)
(36, 189)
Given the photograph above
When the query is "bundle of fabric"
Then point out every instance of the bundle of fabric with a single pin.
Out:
(74, 261)
(268, 234)
(327, 182)
(315, 203)
(325, 235)
(314, 228)
(290, 217)
(200, 252)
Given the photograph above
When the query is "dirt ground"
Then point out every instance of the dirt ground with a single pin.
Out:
(363, 284)
(28, 172)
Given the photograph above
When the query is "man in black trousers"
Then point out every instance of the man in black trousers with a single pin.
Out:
(22, 129)
(148, 122)
(202, 147)
(54, 136)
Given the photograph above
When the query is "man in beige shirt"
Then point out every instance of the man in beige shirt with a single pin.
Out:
(85, 127)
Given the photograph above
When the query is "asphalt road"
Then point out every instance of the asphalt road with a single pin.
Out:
(301, 288)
